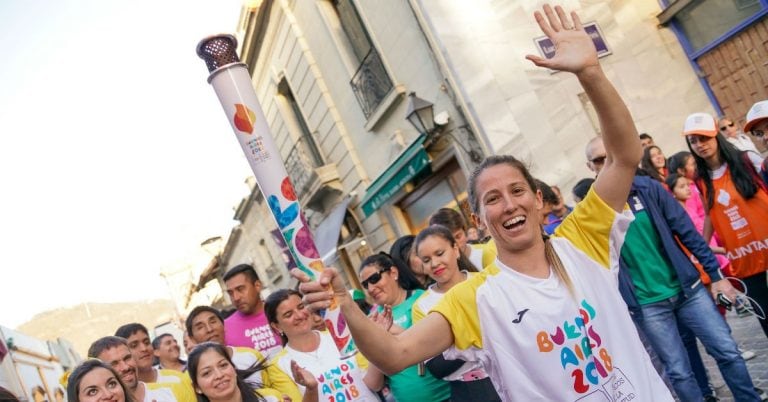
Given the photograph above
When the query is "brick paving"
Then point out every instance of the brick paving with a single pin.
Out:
(749, 336)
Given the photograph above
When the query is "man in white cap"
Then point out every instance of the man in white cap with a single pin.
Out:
(732, 132)
(757, 125)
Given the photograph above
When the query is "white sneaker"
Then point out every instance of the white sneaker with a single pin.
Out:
(747, 354)
(763, 396)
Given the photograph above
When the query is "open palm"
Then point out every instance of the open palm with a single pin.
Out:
(574, 50)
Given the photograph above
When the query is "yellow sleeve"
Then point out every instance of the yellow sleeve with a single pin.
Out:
(590, 228)
(183, 377)
(489, 253)
(180, 391)
(184, 392)
(361, 361)
(417, 314)
(270, 392)
(274, 377)
(459, 307)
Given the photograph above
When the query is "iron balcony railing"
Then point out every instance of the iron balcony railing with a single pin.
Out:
(371, 83)
(301, 167)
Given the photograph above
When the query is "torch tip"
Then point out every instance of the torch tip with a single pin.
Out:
(218, 50)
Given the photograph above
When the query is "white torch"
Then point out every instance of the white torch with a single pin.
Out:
(232, 83)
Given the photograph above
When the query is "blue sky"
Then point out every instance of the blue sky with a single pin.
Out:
(116, 159)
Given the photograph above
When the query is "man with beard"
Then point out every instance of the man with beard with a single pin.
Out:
(143, 353)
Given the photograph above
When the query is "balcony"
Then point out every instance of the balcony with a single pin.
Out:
(312, 180)
(371, 83)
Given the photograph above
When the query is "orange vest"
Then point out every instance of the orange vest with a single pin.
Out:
(742, 226)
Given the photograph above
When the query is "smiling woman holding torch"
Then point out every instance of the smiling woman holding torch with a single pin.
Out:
(546, 319)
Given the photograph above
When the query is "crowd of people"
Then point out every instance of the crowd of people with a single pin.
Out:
(531, 300)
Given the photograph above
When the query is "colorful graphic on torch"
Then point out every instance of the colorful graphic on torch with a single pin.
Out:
(244, 118)
(295, 229)
(296, 232)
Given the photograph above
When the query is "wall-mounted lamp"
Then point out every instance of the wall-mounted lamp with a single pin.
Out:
(420, 113)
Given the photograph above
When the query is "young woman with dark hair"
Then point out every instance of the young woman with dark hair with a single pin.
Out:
(441, 257)
(654, 163)
(736, 201)
(215, 377)
(404, 256)
(336, 378)
(480, 254)
(94, 380)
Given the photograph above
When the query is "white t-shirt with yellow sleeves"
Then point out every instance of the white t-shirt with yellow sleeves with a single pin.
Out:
(274, 381)
(337, 379)
(537, 341)
(469, 371)
(173, 376)
(482, 254)
(168, 392)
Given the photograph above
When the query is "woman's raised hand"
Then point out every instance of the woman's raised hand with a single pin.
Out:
(319, 294)
(384, 318)
(302, 376)
(574, 50)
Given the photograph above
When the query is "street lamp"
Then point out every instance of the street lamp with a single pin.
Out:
(420, 114)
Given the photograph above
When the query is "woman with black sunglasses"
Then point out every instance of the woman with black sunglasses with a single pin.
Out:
(384, 283)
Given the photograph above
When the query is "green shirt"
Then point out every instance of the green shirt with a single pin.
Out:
(651, 271)
(408, 385)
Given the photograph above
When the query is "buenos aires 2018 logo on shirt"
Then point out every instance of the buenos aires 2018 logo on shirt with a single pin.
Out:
(580, 349)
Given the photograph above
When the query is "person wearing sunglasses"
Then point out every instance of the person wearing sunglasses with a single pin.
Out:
(757, 125)
(383, 282)
(732, 132)
(596, 156)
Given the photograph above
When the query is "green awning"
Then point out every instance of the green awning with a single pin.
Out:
(412, 161)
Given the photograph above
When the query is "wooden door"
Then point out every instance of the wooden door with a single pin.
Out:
(737, 71)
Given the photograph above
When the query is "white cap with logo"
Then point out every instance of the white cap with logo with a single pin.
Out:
(701, 124)
(757, 113)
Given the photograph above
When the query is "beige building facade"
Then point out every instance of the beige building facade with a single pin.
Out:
(545, 118)
(333, 78)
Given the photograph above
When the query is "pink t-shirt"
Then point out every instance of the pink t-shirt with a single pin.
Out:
(252, 331)
(695, 209)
